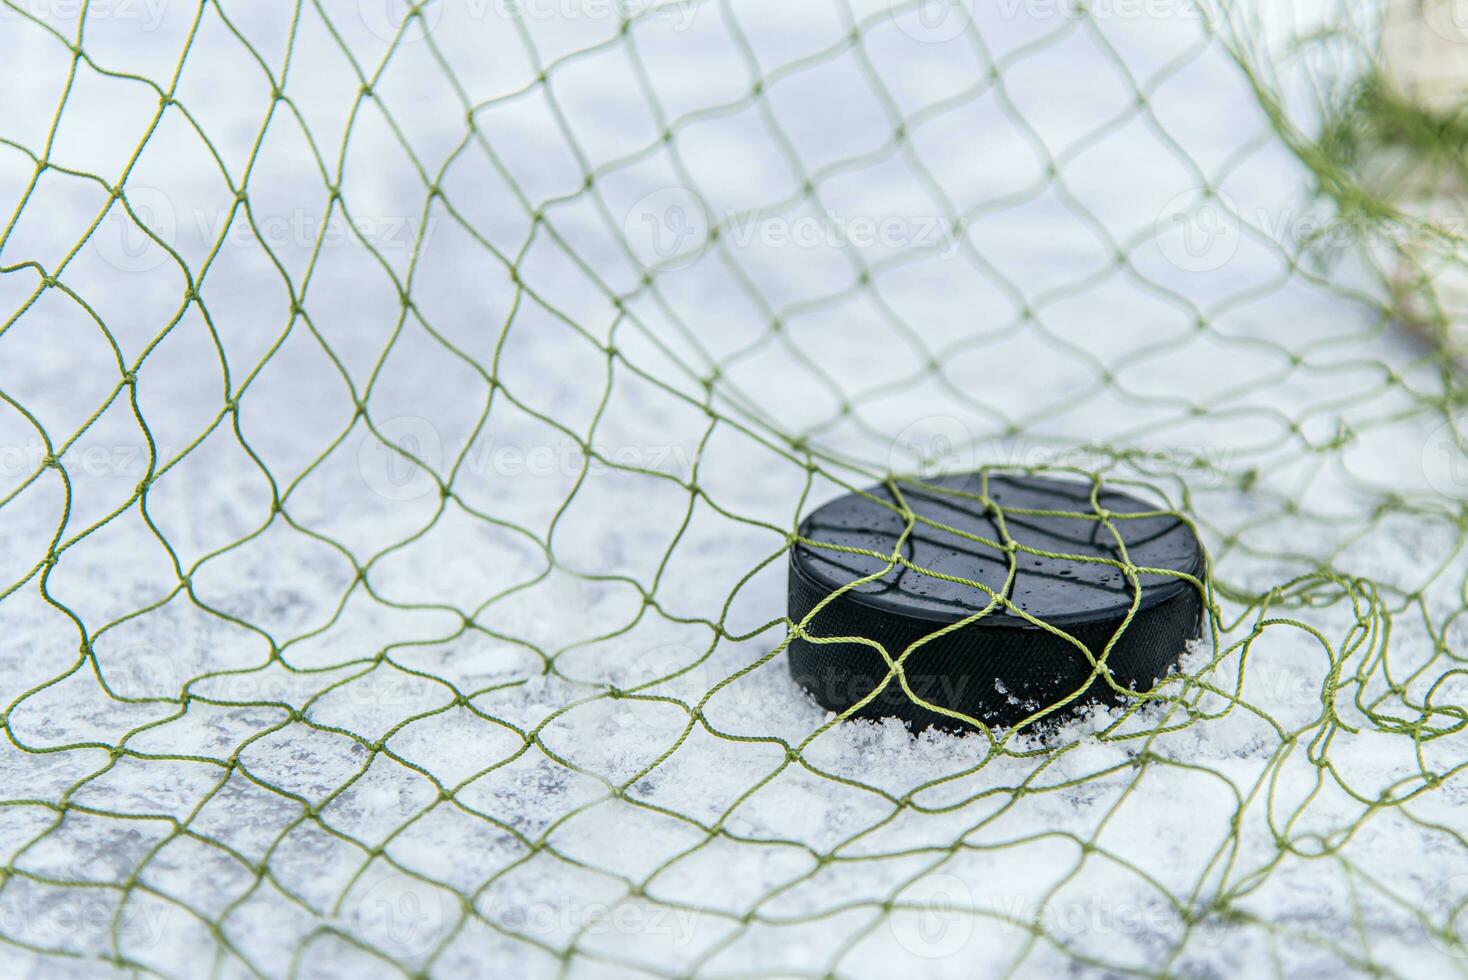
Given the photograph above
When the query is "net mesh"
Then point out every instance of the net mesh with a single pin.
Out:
(408, 411)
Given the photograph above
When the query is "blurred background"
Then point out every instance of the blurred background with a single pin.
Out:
(405, 411)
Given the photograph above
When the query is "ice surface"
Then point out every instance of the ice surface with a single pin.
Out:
(365, 713)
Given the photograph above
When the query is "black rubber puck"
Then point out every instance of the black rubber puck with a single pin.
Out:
(1001, 668)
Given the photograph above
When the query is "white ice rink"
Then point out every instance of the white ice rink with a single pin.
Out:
(368, 715)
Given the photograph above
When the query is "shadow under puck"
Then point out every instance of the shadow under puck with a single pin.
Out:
(1001, 668)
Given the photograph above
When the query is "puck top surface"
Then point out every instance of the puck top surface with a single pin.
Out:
(1055, 590)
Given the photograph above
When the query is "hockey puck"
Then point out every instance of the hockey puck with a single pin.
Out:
(1002, 667)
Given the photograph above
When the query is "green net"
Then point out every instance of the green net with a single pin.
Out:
(407, 411)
